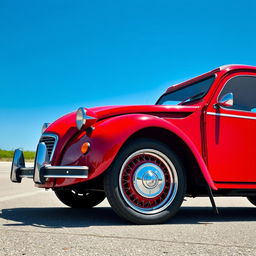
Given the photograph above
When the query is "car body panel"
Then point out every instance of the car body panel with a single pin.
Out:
(109, 136)
(230, 134)
(219, 144)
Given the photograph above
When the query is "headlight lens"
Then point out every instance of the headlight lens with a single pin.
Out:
(80, 118)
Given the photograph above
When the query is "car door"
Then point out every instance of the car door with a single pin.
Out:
(231, 132)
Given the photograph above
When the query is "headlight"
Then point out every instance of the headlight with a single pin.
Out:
(45, 126)
(80, 118)
(85, 118)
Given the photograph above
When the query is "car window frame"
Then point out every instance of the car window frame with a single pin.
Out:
(212, 75)
(234, 109)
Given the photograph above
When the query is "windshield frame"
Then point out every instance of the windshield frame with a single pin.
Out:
(185, 86)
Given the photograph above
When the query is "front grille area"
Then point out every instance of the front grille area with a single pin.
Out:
(50, 142)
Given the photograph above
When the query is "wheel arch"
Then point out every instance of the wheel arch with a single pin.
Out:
(195, 176)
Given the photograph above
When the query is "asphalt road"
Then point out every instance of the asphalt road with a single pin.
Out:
(34, 222)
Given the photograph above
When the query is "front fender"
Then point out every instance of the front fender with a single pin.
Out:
(108, 137)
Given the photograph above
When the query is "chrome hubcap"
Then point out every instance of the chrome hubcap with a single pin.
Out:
(149, 180)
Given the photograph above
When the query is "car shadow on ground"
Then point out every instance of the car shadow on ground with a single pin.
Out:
(105, 216)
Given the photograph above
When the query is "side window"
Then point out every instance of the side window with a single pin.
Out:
(244, 92)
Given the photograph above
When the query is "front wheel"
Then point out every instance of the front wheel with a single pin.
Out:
(252, 199)
(75, 199)
(147, 183)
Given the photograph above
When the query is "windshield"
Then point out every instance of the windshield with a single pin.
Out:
(187, 94)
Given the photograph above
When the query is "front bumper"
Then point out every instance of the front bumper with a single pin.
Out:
(42, 169)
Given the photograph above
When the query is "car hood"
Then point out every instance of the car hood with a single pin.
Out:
(105, 112)
(66, 125)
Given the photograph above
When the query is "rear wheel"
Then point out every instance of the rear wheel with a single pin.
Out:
(75, 199)
(252, 199)
(146, 184)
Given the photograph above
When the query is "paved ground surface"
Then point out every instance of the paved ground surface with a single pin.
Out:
(34, 222)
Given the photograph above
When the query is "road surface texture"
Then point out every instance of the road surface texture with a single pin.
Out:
(34, 222)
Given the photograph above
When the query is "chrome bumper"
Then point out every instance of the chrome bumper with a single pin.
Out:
(42, 170)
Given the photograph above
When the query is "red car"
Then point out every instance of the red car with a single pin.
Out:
(197, 140)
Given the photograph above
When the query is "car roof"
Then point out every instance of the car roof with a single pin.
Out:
(224, 69)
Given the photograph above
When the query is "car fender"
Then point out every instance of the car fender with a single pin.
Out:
(109, 136)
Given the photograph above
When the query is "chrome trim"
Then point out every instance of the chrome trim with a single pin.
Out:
(17, 163)
(227, 100)
(223, 67)
(149, 180)
(55, 136)
(27, 176)
(81, 122)
(50, 167)
(41, 160)
(229, 115)
(42, 166)
(42, 169)
(67, 176)
(45, 126)
(67, 169)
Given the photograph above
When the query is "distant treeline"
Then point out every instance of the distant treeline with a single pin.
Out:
(7, 155)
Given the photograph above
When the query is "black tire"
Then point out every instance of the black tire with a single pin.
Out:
(76, 199)
(146, 157)
(252, 199)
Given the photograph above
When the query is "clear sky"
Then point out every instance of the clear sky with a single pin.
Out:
(56, 56)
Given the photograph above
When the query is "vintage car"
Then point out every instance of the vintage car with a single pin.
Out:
(197, 140)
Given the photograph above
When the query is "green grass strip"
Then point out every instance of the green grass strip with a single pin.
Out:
(7, 155)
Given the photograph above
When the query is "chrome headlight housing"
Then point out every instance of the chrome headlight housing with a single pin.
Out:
(45, 126)
(85, 118)
(80, 118)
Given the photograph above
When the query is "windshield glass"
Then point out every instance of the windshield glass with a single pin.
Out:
(187, 94)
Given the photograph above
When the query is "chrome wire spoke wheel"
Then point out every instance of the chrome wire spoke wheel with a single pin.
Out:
(148, 181)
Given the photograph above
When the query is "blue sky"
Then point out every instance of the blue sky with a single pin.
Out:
(56, 56)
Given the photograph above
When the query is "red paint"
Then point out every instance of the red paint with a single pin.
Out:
(225, 155)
